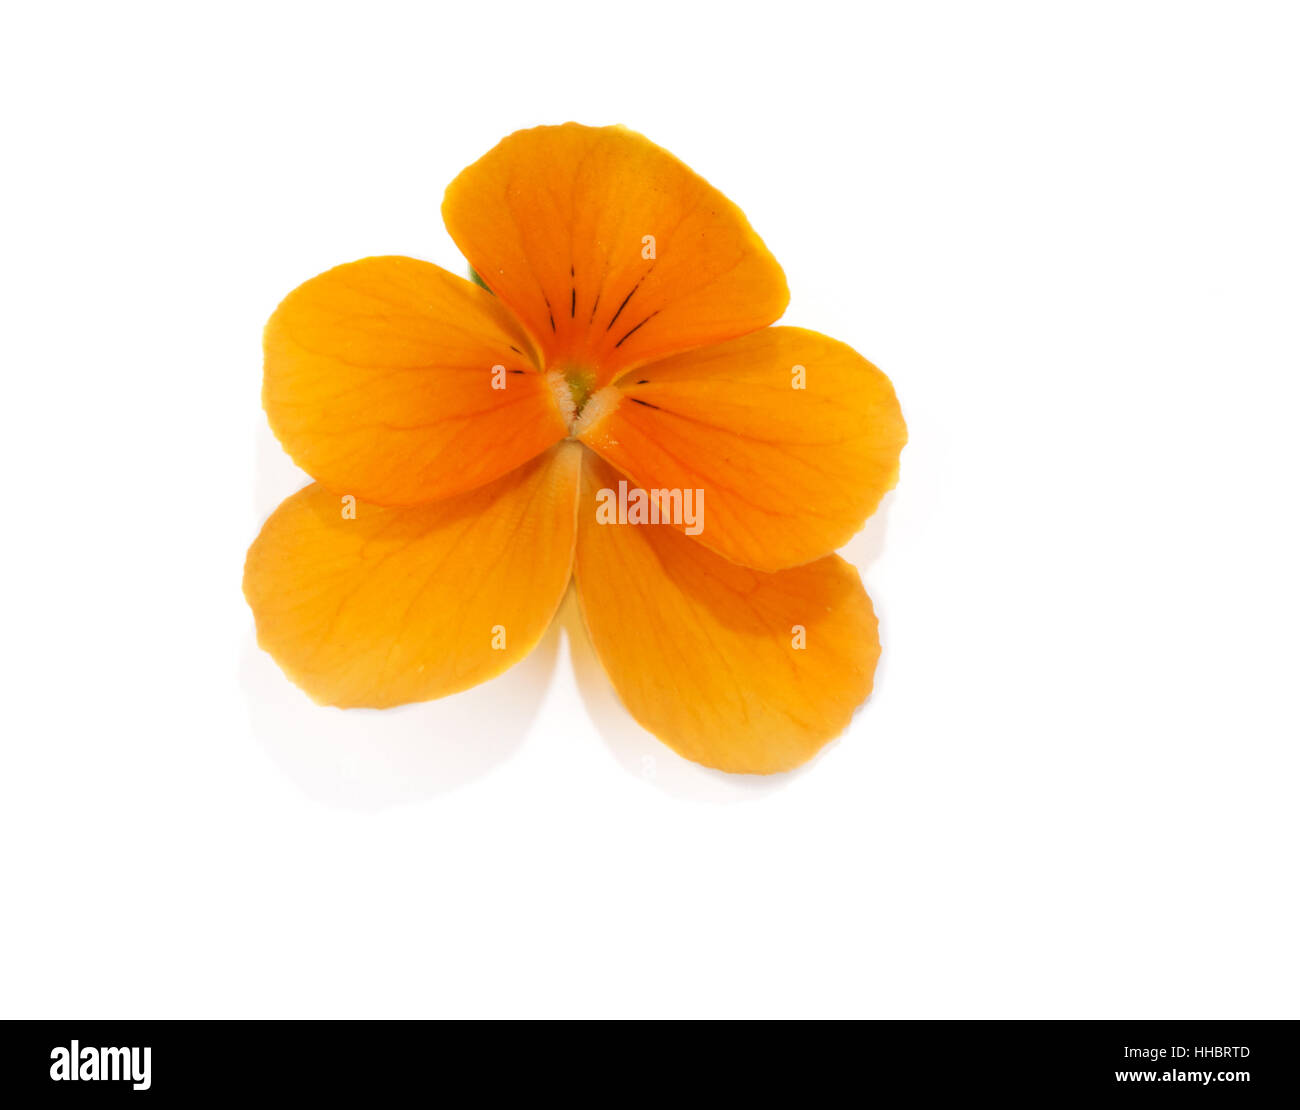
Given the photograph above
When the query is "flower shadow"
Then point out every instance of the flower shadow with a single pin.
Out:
(374, 759)
(866, 547)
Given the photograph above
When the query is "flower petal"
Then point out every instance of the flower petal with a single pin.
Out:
(407, 604)
(397, 382)
(609, 249)
(788, 474)
(705, 654)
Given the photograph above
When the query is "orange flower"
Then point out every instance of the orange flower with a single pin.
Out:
(460, 441)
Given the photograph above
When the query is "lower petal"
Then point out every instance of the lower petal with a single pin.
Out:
(369, 606)
(730, 667)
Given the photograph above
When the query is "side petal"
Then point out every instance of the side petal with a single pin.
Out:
(730, 667)
(408, 604)
(400, 383)
(793, 437)
(610, 250)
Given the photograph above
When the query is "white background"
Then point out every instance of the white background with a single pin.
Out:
(1070, 234)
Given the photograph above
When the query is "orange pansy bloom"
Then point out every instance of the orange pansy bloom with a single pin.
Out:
(463, 441)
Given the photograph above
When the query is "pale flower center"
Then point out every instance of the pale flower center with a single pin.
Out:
(574, 387)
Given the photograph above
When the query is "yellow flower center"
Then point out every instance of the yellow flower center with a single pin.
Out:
(581, 380)
(572, 386)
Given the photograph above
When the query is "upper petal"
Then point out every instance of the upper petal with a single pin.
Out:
(730, 667)
(609, 249)
(792, 436)
(398, 382)
(405, 604)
